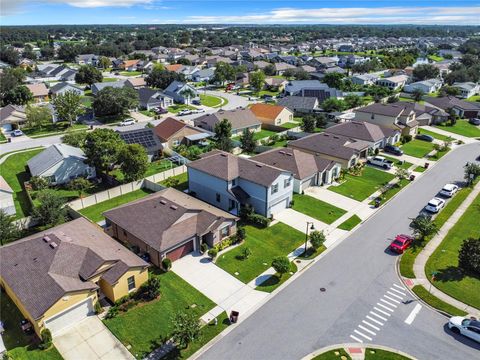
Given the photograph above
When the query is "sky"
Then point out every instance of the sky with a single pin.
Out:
(423, 12)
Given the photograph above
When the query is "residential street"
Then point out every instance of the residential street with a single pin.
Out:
(358, 277)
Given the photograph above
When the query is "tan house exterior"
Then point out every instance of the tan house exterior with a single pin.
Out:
(272, 114)
(39, 92)
(173, 132)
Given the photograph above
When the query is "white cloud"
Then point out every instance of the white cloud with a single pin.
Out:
(101, 3)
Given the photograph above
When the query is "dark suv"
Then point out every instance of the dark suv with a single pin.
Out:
(395, 150)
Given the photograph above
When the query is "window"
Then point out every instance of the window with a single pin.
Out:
(287, 182)
(373, 116)
(279, 121)
(131, 283)
(274, 188)
(176, 142)
(217, 197)
(224, 232)
(234, 182)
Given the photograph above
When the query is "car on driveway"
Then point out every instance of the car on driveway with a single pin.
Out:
(380, 161)
(184, 112)
(160, 110)
(449, 190)
(474, 121)
(17, 132)
(401, 243)
(425, 137)
(469, 327)
(391, 149)
(198, 111)
(127, 122)
(435, 205)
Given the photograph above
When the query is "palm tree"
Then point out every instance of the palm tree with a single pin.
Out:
(187, 93)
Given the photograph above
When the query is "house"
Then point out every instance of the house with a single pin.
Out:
(12, 116)
(144, 136)
(300, 104)
(62, 87)
(87, 59)
(275, 84)
(281, 67)
(261, 65)
(272, 114)
(181, 92)
(203, 75)
(96, 87)
(56, 277)
(169, 224)
(6, 198)
(323, 62)
(467, 89)
(136, 83)
(127, 65)
(229, 182)
(398, 116)
(39, 92)
(151, 98)
(173, 132)
(307, 169)
(425, 86)
(393, 82)
(311, 88)
(464, 109)
(60, 163)
(377, 136)
(364, 79)
(27, 64)
(241, 119)
(344, 150)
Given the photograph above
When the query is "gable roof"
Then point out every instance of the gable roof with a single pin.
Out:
(174, 67)
(61, 85)
(102, 85)
(267, 111)
(239, 118)
(393, 110)
(16, 114)
(53, 155)
(361, 130)
(38, 89)
(168, 127)
(138, 81)
(143, 136)
(449, 102)
(298, 102)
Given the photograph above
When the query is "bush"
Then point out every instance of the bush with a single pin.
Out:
(204, 248)
(469, 256)
(281, 264)
(166, 264)
(112, 312)
(150, 290)
(317, 238)
(98, 308)
(260, 220)
(38, 183)
(246, 252)
(241, 234)
(224, 244)
(213, 252)
(46, 336)
(405, 139)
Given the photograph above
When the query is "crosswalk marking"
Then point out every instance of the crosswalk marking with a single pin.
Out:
(372, 326)
(398, 291)
(363, 335)
(367, 330)
(413, 314)
(391, 299)
(395, 295)
(383, 306)
(382, 311)
(356, 339)
(376, 321)
(388, 303)
(399, 287)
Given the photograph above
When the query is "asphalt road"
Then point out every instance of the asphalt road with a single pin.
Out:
(356, 275)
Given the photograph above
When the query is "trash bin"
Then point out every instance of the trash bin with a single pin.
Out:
(412, 177)
(233, 316)
(426, 165)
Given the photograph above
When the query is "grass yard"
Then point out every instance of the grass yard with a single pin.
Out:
(212, 101)
(94, 212)
(474, 98)
(148, 113)
(53, 128)
(398, 163)
(435, 58)
(265, 244)
(154, 167)
(361, 187)
(109, 79)
(179, 107)
(276, 280)
(290, 125)
(419, 169)
(392, 191)
(2, 138)
(378, 354)
(462, 127)
(258, 135)
(337, 354)
(87, 101)
(311, 253)
(406, 99)
(144, 327)
(68, 195)
(14, 173)
(435, 135)
(317, 209)
(19, 345)
(450, 278)
(130, 73)
(350, 223)
(267, 92)
(279, 144)
(417, 148)
(435, 302)
(182, 181)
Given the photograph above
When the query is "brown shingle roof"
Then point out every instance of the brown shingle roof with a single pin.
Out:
(168, 127)
(266, 111)
(239, 118)
(361, 130)
(382, 109)
(38, 89)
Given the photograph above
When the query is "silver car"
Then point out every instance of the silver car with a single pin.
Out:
(469, 327)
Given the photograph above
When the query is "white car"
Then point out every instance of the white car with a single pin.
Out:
(449, 190)
(467, 327)
(17, 132)
(127, 122)
(380, 161)
(198, 111)
(435, 205)
(184, 112)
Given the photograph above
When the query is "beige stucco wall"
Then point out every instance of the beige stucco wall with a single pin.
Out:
(120, 288)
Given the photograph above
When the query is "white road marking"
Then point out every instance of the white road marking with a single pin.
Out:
(391, 299)
(385, 307)
(399, 287)
(382, 311)
(367, 330)
(372, 326)
(395, 295)
(398, 291)
(356, 339)
(363, 335)
(388, 302)
(411, 317)
(376, 321)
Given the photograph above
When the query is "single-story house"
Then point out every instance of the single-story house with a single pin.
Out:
(467, 89)
(127, 65)
(364, 79)
(240, 119)
(6, 198)
(56, 277)
(136, 82)
(181, 92)
(272, 114)
(300, 104)
(169, 224)
(151, 98)
(12, 116)
(62, 87)
(144, 136)
(425, 86)
(275, 84)
(39, 92)
(60, 163)
(307, 169)
(96, 87)
(311, 88)
(229, 182)
(281, 67)
(393, 82)
(87, 59)
(173, 132)
(464, 109)
(203, 75)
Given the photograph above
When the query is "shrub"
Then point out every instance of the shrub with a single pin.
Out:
(46, 336)
(317, 238)
(281, 264)
(405, 139)
(38, 183)
(246, 252)
(150, 290)
(469, 255)
(260, 220)
(112, 312)
(241, 234)
(166, 264)
(204, 248)
(98, 308)
(213, 253)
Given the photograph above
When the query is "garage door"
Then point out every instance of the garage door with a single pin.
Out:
(308, 183)
(278, 207)
(180, 251)
(70, 316)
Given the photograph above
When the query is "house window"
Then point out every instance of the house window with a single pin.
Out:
(217, 197)
(279, 121)
(234, 182)
(176, 142)
(287, 182)
(372, 117)
(131, 283)
(274, 188)
(224, 231)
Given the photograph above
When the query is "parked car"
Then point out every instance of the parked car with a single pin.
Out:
(184, 112)
(160, 110)
(127, 122)
(196, 102)
(425, 137)
(381, 162)
(252, 98)
(401, 243)
(17, 132)
(391, 149)
(435, 205)
(474, 121)
(469, 327)
(449, 190)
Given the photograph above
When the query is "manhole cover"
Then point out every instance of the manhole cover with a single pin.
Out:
(323, 289)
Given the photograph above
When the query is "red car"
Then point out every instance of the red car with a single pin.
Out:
(401, 243)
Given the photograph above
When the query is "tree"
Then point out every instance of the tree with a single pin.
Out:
(68, 106)
(247, 142)
(472, 171)
(320, 120)
(79, 184)
(317, 238)
(269, 70)
(423, 226)
(19, 95)
(9, 55)
(469, 255)
(50, 210)
(75, 138)
(38, 116)
(417, 95)
(401, 174)
(9, 230)
(308, 124)
(246, 252)
(334, 80)
(281, 264)
(186, 328)
(301, 74)
(105, 62)
(257, 80)
(38, 183)
(184, 61)
(187, 93)
(223, 132)
(102, 147)
(112, 101)
(161, 78)
(333, 104)
(133, 161)
(224, 72)
(425, 71)
(289, 73)
(47, 52)
(353, 101)
(88, 74)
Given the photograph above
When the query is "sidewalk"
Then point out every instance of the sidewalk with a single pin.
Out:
(422, 258)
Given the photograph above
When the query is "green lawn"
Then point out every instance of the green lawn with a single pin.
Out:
(87, 101)
(392, 191)
(178, 107)
(417, 148)
(435, 135)
(350, 223)
(2, 138)
(280, 143)
(435, 58)
(52, 129)
(94, 212)
(258, 135)
(109, 79)
(183, 181)
(14, 173)
(317, 209)
(276, 280)
(406, 99)
(68, 195)
(290, 125)
(450, 278)
(337, 354)
(130, 73)
(378, 354)
(268, 92)
(361, 187)
(474, 98)
(265, 244)
(398, 163)
(435, 302)
(212, 101)
(144, 327)
(149, 113)
(462, 127)
(154, 167)
(419, 169)
(19, 345)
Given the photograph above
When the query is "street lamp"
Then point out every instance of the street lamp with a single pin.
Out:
(306, 236)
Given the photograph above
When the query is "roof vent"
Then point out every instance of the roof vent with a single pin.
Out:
(258, 165)
(289, 154)
(46, 239)
(173, 207)
(163, 202)
(53, 245)
(224, 155)
(282, 152)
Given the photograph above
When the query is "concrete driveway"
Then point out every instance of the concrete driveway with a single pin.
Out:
(90, 339)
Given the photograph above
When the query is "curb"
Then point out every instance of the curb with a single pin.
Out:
(346, 345)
